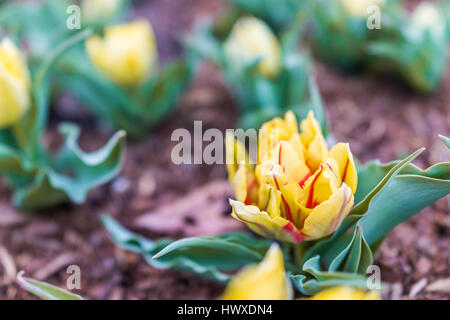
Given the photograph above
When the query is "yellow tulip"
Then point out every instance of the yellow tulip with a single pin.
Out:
(127, 53)
(14, 84)
(428, 17)
(299, 189)
(95, 10)
(358, 8)
(251, 39)
(345, 293)
(265, 281)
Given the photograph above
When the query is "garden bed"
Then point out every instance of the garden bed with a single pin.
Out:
(380, 117)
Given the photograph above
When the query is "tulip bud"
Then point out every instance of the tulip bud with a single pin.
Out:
(265, 281)
(427, 17)
(358, 8)
(127, 53)
(14, 84)
(93, 11)
(345, 293)
(252, 39)
(299, 189)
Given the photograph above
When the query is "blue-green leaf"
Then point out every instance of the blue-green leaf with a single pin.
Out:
(211, 257)
(45, 290)
(313, 279)
(445, 140)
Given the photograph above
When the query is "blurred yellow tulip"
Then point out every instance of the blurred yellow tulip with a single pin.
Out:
(127, 53)
(427, 16)
(14, 84)
(358, 8)
(251, 39)
(265, 281)
(94, 10)
(299, 189)
(345, 293)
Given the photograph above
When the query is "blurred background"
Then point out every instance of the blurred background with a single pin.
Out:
(379, 116)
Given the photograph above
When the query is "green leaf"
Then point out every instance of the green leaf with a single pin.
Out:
(313, 280)
(72, 173)
(209, 257)
(362, 206)
(445, 140)
(44, 290)
(356, 257)
(406, 195)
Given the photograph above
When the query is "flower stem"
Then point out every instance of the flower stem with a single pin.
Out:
(299, 252)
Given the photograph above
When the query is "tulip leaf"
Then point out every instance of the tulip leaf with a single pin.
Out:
(445, 140)
(72, 173)
(161, 94)
(312, 280)
(356, 257)
(406, 195)
(211, 257)
(280, 18)
(44, 290)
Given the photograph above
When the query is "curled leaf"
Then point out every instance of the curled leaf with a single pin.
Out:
(45, 290)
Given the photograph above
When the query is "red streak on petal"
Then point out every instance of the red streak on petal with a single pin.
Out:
(287, 209)
(293, 231)
(249, 190)
(279, 155)
(345, 170)
(286, 206)
(310, 203)
(303, 181)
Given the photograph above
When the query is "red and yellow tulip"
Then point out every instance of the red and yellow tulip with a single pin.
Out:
(298, 189)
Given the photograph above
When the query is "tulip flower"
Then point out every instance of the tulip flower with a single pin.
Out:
(127, 54)
(345, 293)
(14, 84)
(358, 8)
(428, 17)
(298, 189)
(95, 10)
(251, 39)
(265, 281)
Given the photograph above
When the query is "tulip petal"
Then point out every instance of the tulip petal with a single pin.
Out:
(317, 152)
(235, 154)
(345, 293)
(319, 187)
(310, 128)
(263, 224)
(14, 84)
(245, 185)
(347, 169)
(251, 39)
(127, 53)
(327, 216)
(292, 162)
(265, 281)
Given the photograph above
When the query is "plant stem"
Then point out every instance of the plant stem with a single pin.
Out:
(299, 252)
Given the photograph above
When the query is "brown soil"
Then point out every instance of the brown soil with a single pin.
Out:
(380, 118)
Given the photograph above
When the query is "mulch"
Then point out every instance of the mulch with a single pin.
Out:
(378, 116)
